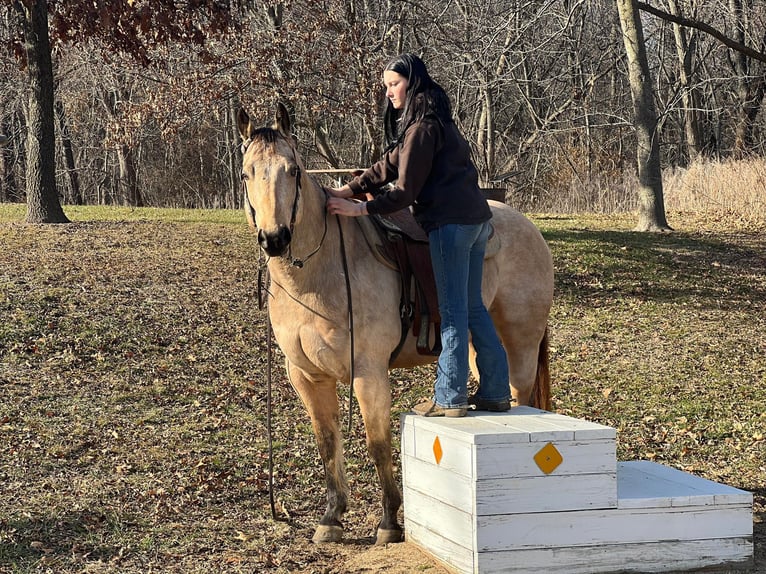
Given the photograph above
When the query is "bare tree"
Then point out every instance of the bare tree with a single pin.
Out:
(685, 44)
(43, 205)
(651, 214)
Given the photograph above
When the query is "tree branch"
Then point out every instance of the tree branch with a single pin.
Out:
(689, 23)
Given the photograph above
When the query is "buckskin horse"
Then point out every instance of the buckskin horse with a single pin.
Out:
(309, 307)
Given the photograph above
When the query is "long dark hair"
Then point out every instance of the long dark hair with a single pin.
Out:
(423, 97)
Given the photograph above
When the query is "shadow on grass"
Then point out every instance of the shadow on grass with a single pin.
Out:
(73, 537)
(674, 268)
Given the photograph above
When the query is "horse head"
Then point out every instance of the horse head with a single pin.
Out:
(271, 180)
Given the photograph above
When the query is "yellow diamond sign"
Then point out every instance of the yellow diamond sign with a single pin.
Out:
(548, 458)
(438, 450)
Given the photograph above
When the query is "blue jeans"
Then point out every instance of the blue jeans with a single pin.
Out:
(457, 255)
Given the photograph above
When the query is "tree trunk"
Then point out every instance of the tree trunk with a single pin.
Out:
(651, 212)
(691, 116)
(75, 195)
(750, 87)
(9, 190)
(43, 205)
(234, 155)
(129, 192)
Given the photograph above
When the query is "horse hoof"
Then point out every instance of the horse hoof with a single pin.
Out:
(390, 535)
(327, 534)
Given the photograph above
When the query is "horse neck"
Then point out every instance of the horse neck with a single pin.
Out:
(312, 230)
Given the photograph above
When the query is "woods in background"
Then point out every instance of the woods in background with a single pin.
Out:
(146, 91)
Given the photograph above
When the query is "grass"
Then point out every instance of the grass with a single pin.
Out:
(132, 360)
(732, 189)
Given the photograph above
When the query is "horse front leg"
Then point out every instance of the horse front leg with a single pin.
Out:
(374, 396)
(320, 398)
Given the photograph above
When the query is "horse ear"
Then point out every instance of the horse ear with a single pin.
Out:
(282, 120)
(244, 125)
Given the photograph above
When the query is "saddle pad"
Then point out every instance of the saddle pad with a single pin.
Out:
(375, 242)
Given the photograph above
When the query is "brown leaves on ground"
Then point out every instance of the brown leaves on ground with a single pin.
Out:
(132, 371)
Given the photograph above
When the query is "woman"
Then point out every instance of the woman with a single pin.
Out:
(430, 162)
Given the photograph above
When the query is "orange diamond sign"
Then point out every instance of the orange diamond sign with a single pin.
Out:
(548, 458)
(438, 450)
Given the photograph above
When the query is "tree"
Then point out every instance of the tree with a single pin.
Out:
(685, 43)
(121, 26)
(43, 205)
(750, 83)
(651, 213)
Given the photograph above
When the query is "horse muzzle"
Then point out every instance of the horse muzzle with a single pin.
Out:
(274, 243)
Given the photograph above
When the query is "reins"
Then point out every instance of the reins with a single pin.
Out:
(298, 263)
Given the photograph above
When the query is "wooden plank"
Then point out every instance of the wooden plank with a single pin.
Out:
(509, 495)
(613, 526)
(422, 478)
(450, 554)
(465, 429)
(450, 522)
(503, 461)
(662, 556)
(520, 424)
(456, 454)
(539, 422)
(643, 484)
(546, 494)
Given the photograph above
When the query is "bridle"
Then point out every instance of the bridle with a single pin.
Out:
(298, 263)
(293, 261)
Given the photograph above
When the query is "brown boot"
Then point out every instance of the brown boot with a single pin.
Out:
(428, 408)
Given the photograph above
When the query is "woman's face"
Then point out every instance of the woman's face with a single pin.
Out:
(396, 88)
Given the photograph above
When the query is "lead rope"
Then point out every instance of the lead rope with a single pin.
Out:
(268, 414)
(269, 358)
(350, 324)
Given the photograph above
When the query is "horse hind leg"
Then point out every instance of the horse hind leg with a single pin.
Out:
(527, 354)
(321, 401)
(527, 363)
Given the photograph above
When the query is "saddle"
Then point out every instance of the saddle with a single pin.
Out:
(404, 243)
(399, 242)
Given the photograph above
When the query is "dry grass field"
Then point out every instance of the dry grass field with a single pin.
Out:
(132, 361)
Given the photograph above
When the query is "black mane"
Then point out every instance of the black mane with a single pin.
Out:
(266, 135)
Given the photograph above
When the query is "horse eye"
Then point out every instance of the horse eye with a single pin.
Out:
(243, 176)
(293, 171)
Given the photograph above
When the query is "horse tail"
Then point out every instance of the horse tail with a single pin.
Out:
(541, 391)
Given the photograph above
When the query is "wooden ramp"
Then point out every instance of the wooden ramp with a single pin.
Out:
(533, 491)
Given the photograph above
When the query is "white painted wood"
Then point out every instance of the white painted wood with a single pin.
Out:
(510, 495)
(613, 526)
(457, 454)
(439, 483)
(450, 522)
(645, 484)
(503, 461)
(486, 507)
(664, 556)
(520, 424)
(466, 456)
(552, 493)
(446, 551)
(659, 556)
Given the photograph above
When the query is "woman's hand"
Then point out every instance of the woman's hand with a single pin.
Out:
(344, 191)
(339, 206)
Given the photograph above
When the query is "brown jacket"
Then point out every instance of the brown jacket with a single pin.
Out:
(434, 173)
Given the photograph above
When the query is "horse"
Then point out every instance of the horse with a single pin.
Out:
(309, 260)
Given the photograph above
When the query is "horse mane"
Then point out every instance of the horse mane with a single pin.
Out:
(266, 135)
